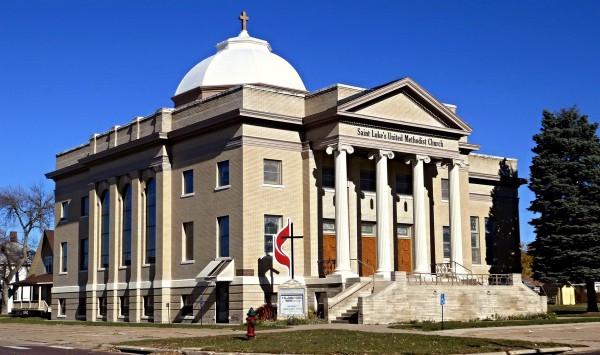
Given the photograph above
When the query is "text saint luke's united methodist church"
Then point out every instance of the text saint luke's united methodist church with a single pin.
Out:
(171, 217)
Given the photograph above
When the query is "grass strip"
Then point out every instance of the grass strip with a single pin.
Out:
(338, 341)
(433, 326)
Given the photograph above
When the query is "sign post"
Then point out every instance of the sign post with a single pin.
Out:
(442, 303)
(201, 308)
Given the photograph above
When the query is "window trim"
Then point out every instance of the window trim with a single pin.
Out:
(186, 237)
(63, 258)
(64, 211)
(270, 235)
(219, 184)
(449, 243)
(221, 236)
(187, 176)
(442, 197)
(279, 173)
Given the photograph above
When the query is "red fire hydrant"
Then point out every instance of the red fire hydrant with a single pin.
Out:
(251, 322)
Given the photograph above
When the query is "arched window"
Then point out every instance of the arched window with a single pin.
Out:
(151, 221)
(126, 228)
(104, 229)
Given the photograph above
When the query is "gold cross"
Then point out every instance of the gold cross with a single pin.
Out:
(244, 19)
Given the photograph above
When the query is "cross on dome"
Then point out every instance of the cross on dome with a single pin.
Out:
(244, 19)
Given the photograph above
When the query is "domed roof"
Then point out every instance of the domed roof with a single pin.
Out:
(242, 60)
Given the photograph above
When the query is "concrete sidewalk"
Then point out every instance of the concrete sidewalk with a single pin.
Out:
(96, 337)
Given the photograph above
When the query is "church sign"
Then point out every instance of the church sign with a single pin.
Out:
(398, 137)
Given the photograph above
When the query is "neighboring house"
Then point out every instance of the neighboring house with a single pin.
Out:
(8, 251)
(35, 290)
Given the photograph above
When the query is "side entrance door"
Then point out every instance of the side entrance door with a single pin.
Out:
(222, 291)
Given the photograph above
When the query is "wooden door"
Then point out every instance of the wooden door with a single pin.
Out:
(404, 255)
(329, 253)
(368, 255)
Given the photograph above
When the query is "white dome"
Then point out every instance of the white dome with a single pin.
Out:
(242, 60)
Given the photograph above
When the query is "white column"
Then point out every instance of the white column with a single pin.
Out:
(421, 258)
(342, 223)
(384, 252)
(455, 215)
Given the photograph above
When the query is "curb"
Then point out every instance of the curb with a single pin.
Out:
(147, 350)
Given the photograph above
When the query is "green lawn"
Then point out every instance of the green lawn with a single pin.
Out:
(337, 341)
(577, 310)
(431, 326)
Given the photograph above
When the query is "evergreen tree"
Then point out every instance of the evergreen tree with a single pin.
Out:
(565, 177)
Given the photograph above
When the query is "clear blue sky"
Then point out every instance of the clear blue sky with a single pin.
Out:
(72, 68)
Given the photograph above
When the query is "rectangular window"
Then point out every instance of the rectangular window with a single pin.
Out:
(404, 184)
(85, 206)
(403, 230)
(83, 254)
(475, 253)
(328, 226)
(148, 306)
(367, 180)
(223, 223)
(223, 173)
(82, 307)
(490, 242)
(329, 177)
(446, 241)
(445, 190)
(102, 306)
(48, 260)
(272, 172)
(63, 257)
(272, 226)
(188, 182)
(187, 241)
(124, 306)
(64, 211)
(62, 303)
(367, 228)
(187, 306)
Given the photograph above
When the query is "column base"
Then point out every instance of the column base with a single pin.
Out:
(383, 275)
(344, 274)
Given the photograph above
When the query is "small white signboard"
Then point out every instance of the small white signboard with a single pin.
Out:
(292, 300)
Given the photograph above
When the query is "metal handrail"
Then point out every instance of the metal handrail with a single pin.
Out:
(372, 274)
(450, 266)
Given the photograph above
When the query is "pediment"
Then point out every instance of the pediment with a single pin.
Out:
(403, 102)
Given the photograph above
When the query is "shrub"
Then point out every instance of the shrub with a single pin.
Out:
(266, 312)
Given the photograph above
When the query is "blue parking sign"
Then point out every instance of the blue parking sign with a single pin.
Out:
(442, 299)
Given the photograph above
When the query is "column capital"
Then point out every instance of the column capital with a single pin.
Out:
(340, 147)
(457, 162)
(417, 158)
(382, 153)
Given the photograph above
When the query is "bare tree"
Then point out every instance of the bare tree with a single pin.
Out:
(28, 209)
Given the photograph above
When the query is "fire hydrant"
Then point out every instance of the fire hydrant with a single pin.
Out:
(251, 322)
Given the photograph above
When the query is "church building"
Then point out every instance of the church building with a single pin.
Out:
(172, 217)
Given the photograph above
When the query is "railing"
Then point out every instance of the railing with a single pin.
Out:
(326, 267)
(460, 279)
(451, 267)
(31, 305)
(372, 274)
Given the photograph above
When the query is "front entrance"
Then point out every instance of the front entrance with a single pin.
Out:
(329, 255)
(222, 307)
(368, 256)
(404, 255)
